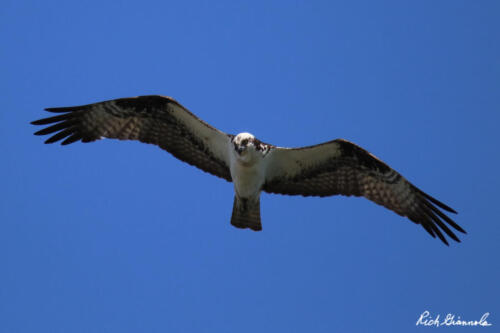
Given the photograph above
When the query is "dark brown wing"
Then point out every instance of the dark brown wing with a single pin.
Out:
(150, 119)
(341, 167)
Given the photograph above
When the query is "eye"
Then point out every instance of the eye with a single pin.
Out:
(244, 142)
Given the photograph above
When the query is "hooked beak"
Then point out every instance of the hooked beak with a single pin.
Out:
(239, 148)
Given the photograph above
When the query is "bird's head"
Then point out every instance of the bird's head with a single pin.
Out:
(243, 143)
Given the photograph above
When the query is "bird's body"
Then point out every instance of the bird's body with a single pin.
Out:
(248, 168)
(331, 168)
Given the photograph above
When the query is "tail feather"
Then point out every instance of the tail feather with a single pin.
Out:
(246, 214)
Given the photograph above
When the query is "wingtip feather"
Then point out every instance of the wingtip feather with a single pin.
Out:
(436, 202)
(59, 136)
(59, 110)
(73, 138)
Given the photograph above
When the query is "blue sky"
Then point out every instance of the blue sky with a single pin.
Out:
(122, 237)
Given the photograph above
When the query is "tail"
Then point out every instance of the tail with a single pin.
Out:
(246, 213)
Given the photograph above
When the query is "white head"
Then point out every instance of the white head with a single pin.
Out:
(244, 146)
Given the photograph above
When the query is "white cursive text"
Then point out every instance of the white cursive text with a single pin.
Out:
(426, 319)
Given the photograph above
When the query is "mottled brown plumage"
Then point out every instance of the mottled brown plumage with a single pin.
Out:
(150, 119)
(347, 169)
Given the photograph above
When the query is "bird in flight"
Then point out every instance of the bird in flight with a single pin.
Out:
(330, 168)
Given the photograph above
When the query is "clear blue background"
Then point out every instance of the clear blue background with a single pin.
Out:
(122, 237)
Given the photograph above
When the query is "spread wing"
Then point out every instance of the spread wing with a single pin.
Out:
(150, 119)
(341, 167)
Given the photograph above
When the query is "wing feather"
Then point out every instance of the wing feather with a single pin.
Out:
(341, 167)
(157, 120)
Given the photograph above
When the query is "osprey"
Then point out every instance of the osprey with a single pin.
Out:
(330, 168)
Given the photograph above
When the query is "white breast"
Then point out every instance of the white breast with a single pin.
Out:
(248, 177)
